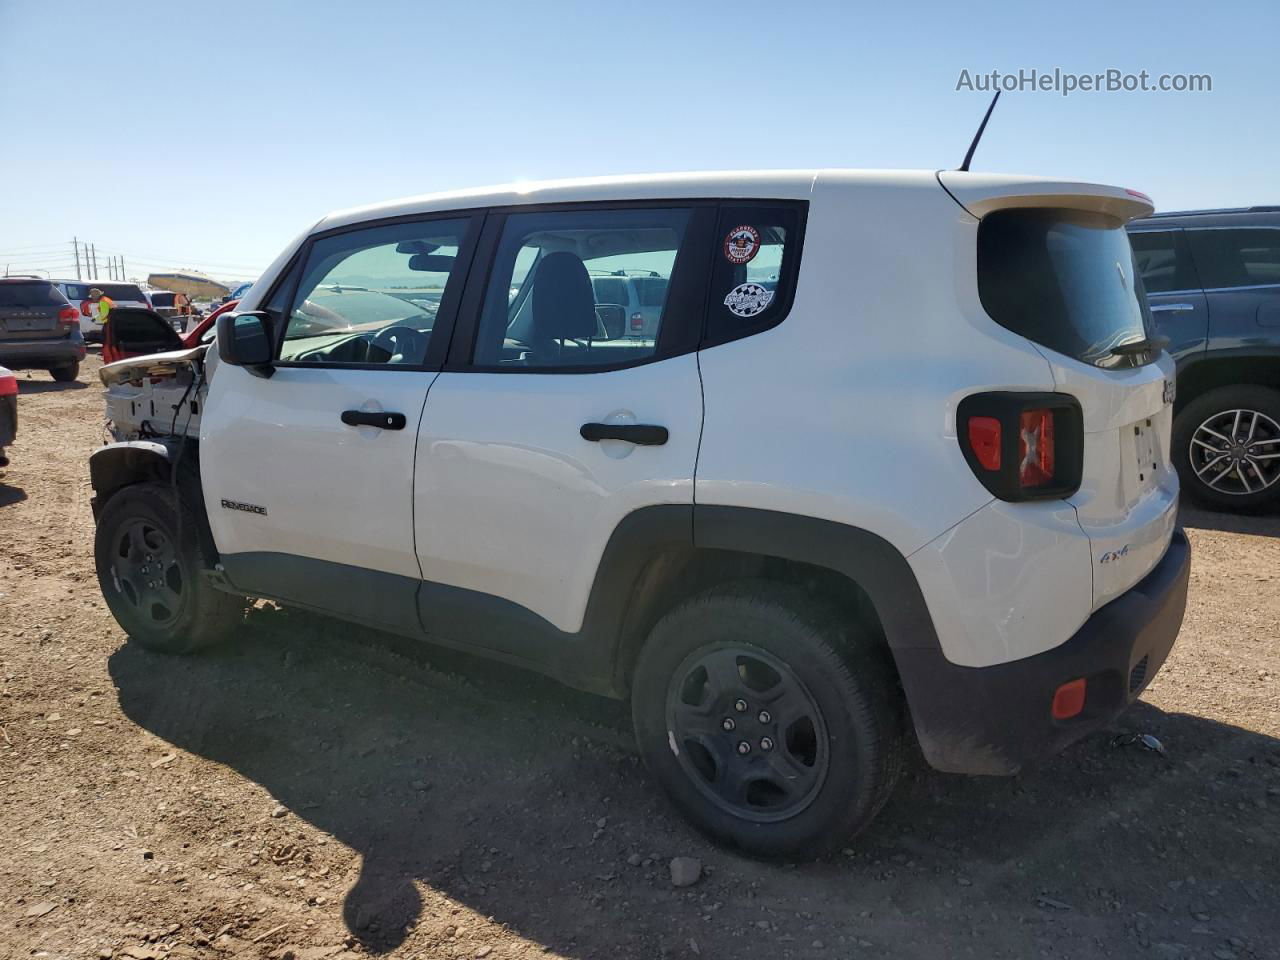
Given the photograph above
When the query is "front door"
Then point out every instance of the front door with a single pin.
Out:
(308, 473)
(563, 419)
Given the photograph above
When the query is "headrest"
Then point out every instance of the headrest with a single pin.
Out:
(564, 304)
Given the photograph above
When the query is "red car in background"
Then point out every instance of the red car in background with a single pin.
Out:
(8, 412)
(132, 332)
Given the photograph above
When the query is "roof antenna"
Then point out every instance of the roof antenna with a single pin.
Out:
(964, 167)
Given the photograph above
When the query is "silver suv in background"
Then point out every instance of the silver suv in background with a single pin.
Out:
(39, 329)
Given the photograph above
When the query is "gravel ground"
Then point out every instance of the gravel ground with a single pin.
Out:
(317, 790)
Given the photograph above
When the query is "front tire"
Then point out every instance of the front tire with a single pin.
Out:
(65, 374)
(1227, 447)
(149, 567)
(771, 720)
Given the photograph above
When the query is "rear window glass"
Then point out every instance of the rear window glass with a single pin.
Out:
(1064, 279)
(611, 290)
(162, 299)
(35, 294)
(651, 290)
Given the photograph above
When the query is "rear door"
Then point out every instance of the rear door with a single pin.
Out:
(1066, 278)
(550, 425)
(1177, 303)
(308, 472)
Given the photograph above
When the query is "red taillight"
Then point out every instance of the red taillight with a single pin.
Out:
(1035, 448)
(1022, 446)
(984, 439)
(69, 316)
(637, 321)
(8, 386)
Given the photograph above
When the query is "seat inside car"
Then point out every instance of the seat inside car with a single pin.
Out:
(564, 308)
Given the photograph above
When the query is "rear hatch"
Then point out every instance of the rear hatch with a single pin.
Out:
(29, 311)
(1055, 265)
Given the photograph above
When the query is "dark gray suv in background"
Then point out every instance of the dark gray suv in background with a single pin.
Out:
(39, 328)
(1213, 283)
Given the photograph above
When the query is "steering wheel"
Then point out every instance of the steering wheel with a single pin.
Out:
(398, 340)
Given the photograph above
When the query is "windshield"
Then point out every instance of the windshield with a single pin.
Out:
(1064, 279)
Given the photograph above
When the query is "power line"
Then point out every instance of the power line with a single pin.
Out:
(37, 246)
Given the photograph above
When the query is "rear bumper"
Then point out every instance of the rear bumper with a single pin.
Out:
(996, 719)
(29, 354)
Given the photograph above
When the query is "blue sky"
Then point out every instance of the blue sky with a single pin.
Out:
(184, 134)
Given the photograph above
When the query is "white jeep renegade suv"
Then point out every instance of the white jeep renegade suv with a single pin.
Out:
(894, 458)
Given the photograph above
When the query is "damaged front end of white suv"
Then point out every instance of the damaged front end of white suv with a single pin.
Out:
(154, 396)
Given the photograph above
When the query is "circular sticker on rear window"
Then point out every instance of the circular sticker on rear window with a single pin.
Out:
(741, 244)
(748, 299)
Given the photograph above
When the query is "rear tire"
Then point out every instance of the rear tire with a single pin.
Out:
(810, 694)
(65, 374)
(149, 566)
(1204, 420)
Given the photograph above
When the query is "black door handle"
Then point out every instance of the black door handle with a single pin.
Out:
(363, 418)
(645, 434)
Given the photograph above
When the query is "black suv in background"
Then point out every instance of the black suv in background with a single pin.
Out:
(39, 328)
(1213, 283)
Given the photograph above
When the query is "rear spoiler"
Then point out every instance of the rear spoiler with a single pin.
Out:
(982, 193)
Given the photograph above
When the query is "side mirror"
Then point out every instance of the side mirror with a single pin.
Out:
(244, 340)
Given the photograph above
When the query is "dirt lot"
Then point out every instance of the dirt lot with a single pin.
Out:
(328, 791)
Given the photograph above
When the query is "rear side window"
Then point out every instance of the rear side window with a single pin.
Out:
(559, 292)
(756, 260)
(30, 295)
(1163, 260)
(1064, 279)
(1236, 257)
(162, 299)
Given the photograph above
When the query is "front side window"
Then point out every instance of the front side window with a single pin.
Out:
(583, 289)
(1065, 279)
(1163, 260)
(371, 296)
(1236, 257)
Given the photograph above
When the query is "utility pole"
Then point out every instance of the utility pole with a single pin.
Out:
(114, 272)
(93, 252)
(75, 248)
(122, 276)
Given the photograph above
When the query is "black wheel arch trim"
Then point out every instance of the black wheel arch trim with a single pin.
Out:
(123, 464)
(117, 466)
